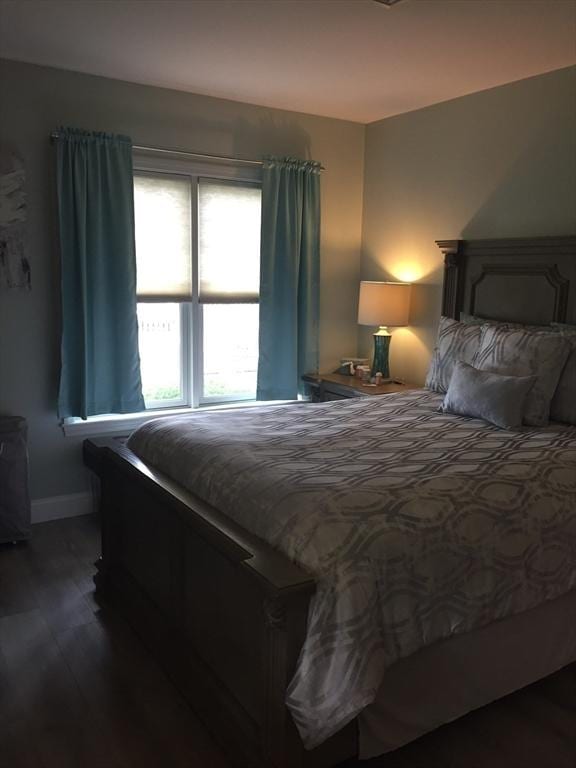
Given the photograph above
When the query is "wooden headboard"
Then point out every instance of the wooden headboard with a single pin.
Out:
(528, 280)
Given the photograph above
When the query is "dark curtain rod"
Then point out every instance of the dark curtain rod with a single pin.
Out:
(226, 158)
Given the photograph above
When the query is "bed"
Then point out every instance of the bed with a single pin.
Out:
(226, 612)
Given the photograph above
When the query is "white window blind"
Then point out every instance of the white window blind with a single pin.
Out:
(162, 205)
(229, 241)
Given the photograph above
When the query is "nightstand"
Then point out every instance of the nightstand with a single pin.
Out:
(335, 386)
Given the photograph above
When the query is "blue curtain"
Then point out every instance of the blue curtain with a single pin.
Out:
(289, 276)
(100, 361)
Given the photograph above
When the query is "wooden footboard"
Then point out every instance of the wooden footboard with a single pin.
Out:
(224, 613)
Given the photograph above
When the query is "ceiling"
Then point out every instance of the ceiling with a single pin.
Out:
(352, 59)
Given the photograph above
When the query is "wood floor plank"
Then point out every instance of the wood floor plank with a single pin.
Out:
(41, 688)
(16, 590)
(64, 605)
(125, 687)
(22, 632)
(18, 748)
(54, 569)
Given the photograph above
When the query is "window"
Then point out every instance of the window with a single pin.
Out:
(198, 275)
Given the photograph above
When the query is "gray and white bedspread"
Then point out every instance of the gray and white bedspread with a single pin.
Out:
(418, 525)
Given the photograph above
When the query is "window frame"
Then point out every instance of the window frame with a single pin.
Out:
(191, 315)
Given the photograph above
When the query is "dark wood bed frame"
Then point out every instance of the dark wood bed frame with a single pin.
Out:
(223, 612)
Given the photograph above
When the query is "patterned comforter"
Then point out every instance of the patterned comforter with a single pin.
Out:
(417, 525)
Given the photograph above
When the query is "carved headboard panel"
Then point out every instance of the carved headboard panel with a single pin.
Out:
(528, 280)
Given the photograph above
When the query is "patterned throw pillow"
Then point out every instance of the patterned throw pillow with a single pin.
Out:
(456, 341)
(563, 407)
(490, 396)
(521, 352)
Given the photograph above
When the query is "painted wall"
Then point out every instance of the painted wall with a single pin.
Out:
(499, 163)
(36, 100)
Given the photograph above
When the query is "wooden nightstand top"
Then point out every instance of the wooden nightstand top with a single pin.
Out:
(350, 386)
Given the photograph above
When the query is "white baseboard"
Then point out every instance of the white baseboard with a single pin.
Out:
(57, 507)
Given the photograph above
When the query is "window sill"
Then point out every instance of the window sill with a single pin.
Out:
(124, 424)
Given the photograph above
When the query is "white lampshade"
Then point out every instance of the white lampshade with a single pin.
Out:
(384, 303)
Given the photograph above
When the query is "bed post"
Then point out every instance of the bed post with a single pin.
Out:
(453, 277)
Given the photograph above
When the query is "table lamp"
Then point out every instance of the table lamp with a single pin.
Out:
(383, 304)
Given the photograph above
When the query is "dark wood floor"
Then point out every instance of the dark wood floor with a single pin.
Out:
(78, 689)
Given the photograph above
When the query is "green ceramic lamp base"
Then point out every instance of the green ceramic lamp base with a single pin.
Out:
(381, 350)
